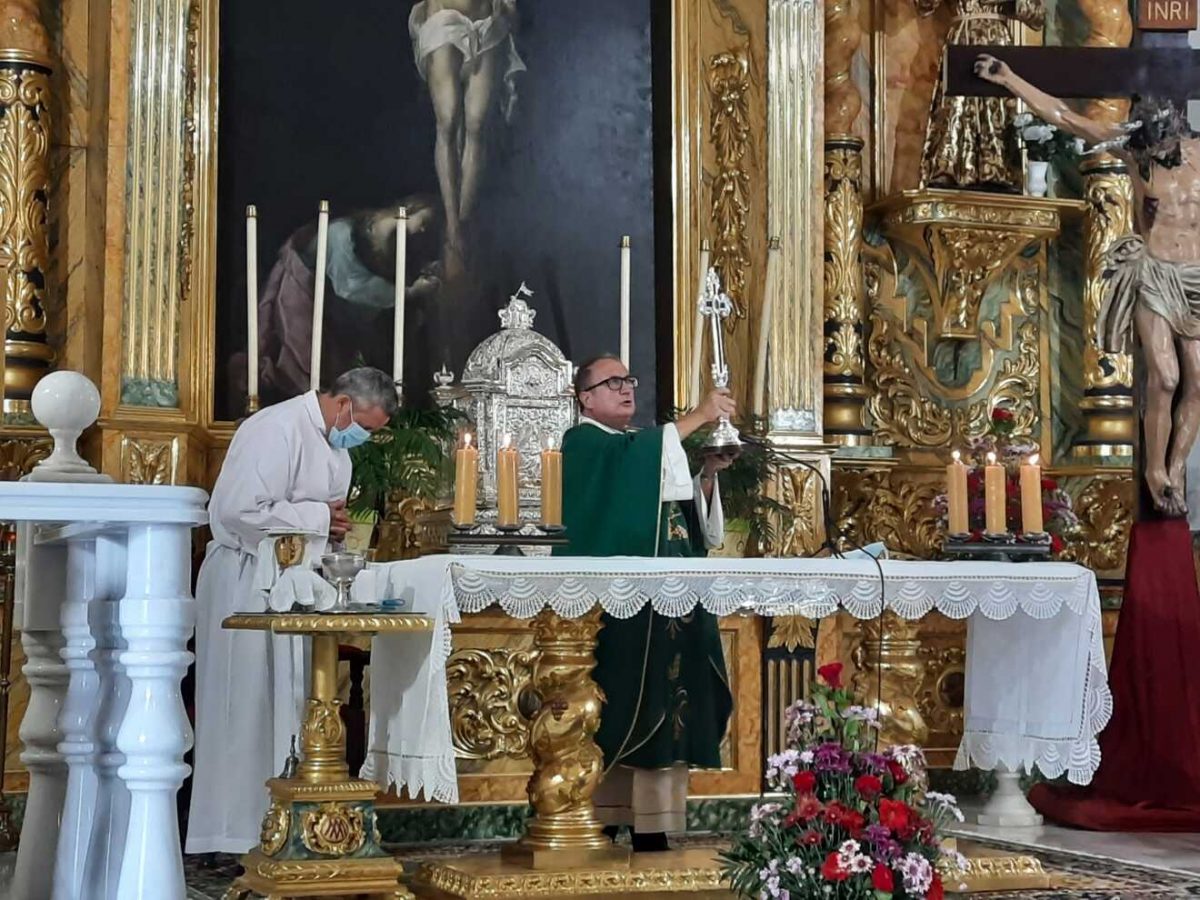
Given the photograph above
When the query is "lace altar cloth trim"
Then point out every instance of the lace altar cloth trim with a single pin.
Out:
(817, 588)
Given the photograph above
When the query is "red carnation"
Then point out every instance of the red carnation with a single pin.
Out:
(868, 786)
(935, 891)
(1056, 544)
(807, 807)
(1049, 484)
(831, 870)
(881, 878)
(809, 838)
(831, 674)
(898, 773)
(1000, 414)
(893, 814)
(804, 782)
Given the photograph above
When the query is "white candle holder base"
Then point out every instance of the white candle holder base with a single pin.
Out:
(1008, 807)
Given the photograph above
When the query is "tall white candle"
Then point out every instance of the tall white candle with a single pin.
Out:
(764, 329)
(319, 295)
(401, 281)
(625, 301)
(698, 329)
(252, 301)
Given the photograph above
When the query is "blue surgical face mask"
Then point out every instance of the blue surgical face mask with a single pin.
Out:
(353, 435)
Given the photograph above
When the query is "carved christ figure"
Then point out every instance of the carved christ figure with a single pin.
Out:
(465, 51)
(969, 141)
(1153, 275)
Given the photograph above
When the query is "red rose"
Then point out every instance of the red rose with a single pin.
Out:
(897, 771)
(804, 782)
(935, 891)
(881, 878)
(1000, 414)
(831, 674)
(1056, 544)
(893, 814)
(868, 786)
(831, 871)
(1049, 484)
(809, 838)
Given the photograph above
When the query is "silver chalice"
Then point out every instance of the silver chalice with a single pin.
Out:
(340, 569)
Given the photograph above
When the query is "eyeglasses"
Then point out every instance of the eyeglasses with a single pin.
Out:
(614, 384)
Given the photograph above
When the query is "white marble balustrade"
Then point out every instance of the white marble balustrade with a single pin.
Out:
(104, 606)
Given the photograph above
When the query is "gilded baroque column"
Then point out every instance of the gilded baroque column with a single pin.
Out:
(25, 66)
(845, 391)
(795, 48)
(1107, 377)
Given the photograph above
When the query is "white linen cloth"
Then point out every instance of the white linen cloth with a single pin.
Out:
(279, 473)
(1036, 687)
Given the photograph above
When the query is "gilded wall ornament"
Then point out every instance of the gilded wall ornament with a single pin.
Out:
(792, 633)
(940, 697)
(485, 688)
(1105, 511)
(888, 505)
(149, 460)
(18, 456)
(800, 490)
(729, 131)
(276, 825)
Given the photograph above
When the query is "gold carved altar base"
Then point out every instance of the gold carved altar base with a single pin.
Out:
(319, 836)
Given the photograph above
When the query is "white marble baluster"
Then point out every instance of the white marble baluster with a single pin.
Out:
(77, 722)
(112, 803)
(42, 581)
(156, 620)
(1008, 806)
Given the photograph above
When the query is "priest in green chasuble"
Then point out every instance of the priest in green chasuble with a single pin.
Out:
(667, 697)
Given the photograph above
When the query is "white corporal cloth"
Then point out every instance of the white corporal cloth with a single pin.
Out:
(1036, 683)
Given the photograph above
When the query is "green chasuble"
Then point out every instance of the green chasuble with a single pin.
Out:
(666, 690)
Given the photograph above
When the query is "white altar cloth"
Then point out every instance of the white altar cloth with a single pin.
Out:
(1036, 684)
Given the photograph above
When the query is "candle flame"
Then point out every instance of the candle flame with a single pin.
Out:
(991, 458)
(466, 440)
(1033, 460)
(505, 441)
(551, 442)
(956, 456)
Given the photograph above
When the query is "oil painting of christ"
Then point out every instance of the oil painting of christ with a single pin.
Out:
(519, 134)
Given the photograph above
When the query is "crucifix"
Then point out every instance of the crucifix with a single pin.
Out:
(1153, 276)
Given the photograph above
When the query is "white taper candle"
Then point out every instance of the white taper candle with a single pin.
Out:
(693, 399)
(252, 301)
(401, 283)
(625, 301)
(319, 295)
(764, 329)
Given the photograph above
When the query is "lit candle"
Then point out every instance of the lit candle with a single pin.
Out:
(956, 495)
(551, 483)
(466, 473)
(319, 295)
(764, 330)
(401, 276)
(252, 301)
(507, 465)
(995, 501)
(694, 398)
(1031, 497)
(625, 301)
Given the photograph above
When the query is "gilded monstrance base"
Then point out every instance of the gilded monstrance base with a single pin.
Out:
(674, 874)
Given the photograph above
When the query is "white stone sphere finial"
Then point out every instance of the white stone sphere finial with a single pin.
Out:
(65, 404)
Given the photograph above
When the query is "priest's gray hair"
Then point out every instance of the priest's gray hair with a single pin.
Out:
(368, 387)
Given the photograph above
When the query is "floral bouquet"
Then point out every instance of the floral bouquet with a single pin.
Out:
(1043, 141)
(853, 823)
(1058, 513)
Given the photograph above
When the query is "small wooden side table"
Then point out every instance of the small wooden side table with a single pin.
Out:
(319, 836)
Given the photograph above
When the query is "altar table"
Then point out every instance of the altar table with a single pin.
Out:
(1036, 683)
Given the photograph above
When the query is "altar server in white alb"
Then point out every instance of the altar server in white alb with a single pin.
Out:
(287, 468)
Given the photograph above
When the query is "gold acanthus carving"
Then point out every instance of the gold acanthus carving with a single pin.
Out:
(906, 415)
(485, 687)
(333, 829)
(940, 700)
(1105, 511)
(889, 506)
(276, 825)
(24, 160)
(966, 261)
(729, 86)
(843, 268)
(18, 456)
(149, 461)
(792, 632)
(800, 491)
(843, 34)
(952, 212)
(1109, 194)
(188, 179)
